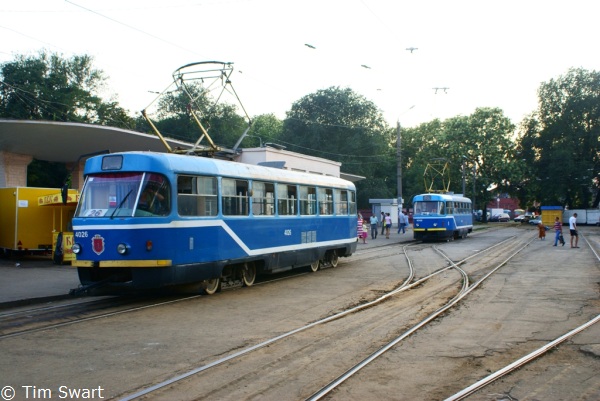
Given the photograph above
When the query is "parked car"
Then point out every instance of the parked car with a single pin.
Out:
(536, 221)
(500, 217)
(503, 217)
(524, 218)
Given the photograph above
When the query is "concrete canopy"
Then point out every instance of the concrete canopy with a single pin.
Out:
(66, 142)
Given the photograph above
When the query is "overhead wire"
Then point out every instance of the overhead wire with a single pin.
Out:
(170, 43)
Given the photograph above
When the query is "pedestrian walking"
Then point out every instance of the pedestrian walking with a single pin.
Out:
(399, 221)
(402, 222)
(573, 230)
(558, 237)
(382, 223)
(388, 225)
(373, 221)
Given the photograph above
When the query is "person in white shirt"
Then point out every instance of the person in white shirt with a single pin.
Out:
(573, 230)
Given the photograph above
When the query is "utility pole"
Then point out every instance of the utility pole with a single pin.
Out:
(463, 176)
(474, 172)
(399, 166)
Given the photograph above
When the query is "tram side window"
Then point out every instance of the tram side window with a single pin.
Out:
(325, 201)
(263, 198)
(286, 199)
(234, 195)
(450, 208)
(352, 203)
(341, 202)
(308, 200)
(196, 196)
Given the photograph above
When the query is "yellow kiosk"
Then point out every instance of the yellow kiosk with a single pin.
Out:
(62, 232)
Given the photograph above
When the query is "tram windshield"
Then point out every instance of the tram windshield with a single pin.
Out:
(429, 207)
(125, 195)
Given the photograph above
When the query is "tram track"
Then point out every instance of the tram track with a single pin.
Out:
(16, 321)
(156, 344)
(540, 352)
(22, 321)
(397, 316)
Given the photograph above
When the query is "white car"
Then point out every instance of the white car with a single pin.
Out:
(504, 217)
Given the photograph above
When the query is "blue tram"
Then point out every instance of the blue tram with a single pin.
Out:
(441, 217)
(150, 220)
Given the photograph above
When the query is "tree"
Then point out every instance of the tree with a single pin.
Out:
(482, 143)
(340, 125)
(561, 140)
(265, 128)
(420, 145)
(49, 87)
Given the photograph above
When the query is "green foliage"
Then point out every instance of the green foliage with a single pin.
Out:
(481, 143)
(554, 159)
(49, 87)
(340, 125)
(560, 141)
(265, 128)
(46, 174)
(221, 121)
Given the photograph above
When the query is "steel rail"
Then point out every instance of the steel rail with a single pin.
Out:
(87, 319)
(274, 339)
(527, 358)
(403, 287)
(464, 292)
(520, 362)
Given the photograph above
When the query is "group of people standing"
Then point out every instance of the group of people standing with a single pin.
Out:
(386, 225)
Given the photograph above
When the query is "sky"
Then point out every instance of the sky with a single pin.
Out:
(486, 53)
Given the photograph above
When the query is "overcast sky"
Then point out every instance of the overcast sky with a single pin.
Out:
(488, 53)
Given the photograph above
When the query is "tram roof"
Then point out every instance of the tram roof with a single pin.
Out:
(66, 142)
(202, 165)
(444, 197)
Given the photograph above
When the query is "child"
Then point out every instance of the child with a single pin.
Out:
(541, 231)
(363, 233)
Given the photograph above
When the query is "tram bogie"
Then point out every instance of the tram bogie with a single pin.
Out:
(150, 220)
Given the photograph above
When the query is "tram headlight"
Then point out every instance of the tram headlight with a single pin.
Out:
(76, 248)
(122, 249)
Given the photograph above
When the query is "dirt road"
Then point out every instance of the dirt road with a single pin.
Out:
(540, 294)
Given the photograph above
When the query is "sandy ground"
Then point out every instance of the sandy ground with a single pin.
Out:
(541, 294)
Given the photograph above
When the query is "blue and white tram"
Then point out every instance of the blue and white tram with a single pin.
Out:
(441, 217)
(149, 220)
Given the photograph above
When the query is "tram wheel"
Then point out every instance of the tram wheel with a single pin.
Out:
(248, 274)
(334, 259)
(212, 286)
(314, 266)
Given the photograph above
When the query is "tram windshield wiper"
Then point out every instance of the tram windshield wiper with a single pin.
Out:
(121, 204)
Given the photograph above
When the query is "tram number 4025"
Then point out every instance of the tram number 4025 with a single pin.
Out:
(287, 232)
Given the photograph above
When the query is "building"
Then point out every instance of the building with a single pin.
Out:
(21, 141)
